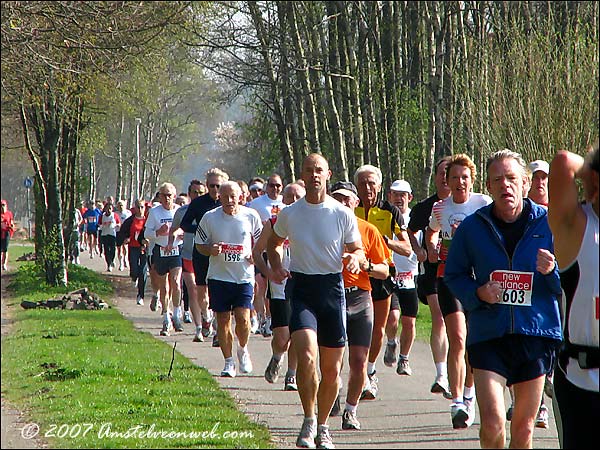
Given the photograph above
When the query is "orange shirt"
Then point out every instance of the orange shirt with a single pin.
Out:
(375, 249)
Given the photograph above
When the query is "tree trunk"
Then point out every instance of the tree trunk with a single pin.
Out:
(119, 190)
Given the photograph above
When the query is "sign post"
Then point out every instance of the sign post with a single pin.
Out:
(28, 183)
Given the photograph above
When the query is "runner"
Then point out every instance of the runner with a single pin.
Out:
(575, 229)
(267, 206)
(359, 306)
(108, 226)
(501, 267)
(189, 224)
(388, 219)
(7, 230)
(323, 237)
(166, 258)
(427, 281)
(226, 234)
(91, 218)
(404, 295)
(187, 250)
(280, 305)
(446, 217)
(130, 232)
(122, 257)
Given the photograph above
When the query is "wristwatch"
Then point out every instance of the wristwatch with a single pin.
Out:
(369, 267)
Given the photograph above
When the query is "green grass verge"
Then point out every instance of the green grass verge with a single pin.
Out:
(90, 380)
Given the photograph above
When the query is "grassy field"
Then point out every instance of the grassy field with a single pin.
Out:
(89, 380)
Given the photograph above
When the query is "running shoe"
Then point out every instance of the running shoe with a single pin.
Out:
(153, 302)
(254, 325)
(272, 371)
(167, 326)
(207, 328)
(323, 439)
(470, 404)
(391, 356)
(307, 435)
(349, 421)
(459, 414)
(245, 361)
(541, 420)
(139, 301)
(266, 328)
(441, 386)
(177, 323)
(187, 317)
(229, 369)
(336, 407)
(370, 390)
(198, 335)
(290, 383)
(403, 367)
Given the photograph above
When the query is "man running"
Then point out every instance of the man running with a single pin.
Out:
(166, 257)
(359, 306)
(279, 304)
(404, 295)
(575, 229)
(427, 281)
(323, 237)
(388, 220)
(226, 234)
(501, 267)
(189, 224)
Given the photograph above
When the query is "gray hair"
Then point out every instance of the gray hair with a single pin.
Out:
(217, 172)
(368, 168)
(233, 185)
(506, 154)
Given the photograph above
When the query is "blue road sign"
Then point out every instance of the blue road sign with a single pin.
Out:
(28, 183)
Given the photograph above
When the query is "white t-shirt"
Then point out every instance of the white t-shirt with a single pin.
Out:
(264, 204)
(407, 267)
(446, 216)
(157, 216)
(317, 234)
(108, 225)
(238, 233)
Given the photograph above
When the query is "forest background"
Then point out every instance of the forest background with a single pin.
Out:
(113, 98)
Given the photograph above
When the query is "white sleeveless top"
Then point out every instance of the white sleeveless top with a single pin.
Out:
(583, 315)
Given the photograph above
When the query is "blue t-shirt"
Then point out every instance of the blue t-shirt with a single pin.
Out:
(90, 218)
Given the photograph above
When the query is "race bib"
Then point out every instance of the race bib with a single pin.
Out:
(91, 219)
(165, 254)
(232, 253)
(517, 286)
(405, 280)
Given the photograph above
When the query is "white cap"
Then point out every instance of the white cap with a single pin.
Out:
(538, 164)
(401, 186)
(256, 186)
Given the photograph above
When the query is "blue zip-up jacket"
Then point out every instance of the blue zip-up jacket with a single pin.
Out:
(477, 250)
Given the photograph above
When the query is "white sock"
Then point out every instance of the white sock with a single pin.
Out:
(371, 368)
(310, 419)
(403, 356)
(469, 392)
(199, 329)
(350, 408)
(458, 399)
(229, 360)
(442, 369)
(177, 311)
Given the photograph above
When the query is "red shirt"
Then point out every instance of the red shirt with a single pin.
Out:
(8, 224)
(137, 225)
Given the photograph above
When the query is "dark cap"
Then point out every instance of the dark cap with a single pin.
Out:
(345, 188)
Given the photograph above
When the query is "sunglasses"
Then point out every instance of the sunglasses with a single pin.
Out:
(274, 185)
(196, 192)
(214, 186)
